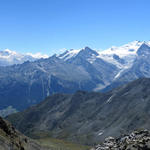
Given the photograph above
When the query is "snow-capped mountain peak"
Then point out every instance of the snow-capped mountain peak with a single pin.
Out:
(122, 51)
(9, 57)
(8, 51)
(122, 56)
(69, 54)
(125, 54)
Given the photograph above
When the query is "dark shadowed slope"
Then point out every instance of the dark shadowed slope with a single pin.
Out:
(88, 117)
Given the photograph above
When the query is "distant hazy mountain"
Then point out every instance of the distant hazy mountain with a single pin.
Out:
(131, 61)
(123, 57)
(8, 57)
(88, 117)
(25, 84)
(140, 67)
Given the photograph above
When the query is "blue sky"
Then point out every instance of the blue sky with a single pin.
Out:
(50, 25)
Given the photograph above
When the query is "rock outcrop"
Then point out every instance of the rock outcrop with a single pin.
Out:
(11, 139)
(137, 140)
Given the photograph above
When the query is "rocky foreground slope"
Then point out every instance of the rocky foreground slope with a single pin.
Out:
(137, 140)
(11, 139)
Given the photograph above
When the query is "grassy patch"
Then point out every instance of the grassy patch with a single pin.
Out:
(56, 144)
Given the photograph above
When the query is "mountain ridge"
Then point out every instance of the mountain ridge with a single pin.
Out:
(88, 116)
(107, 55)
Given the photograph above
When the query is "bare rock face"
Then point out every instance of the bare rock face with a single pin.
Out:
(11, 139)
(137, 140)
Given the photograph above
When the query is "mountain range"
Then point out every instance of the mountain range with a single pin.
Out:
(23, 85)
(88, 117)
